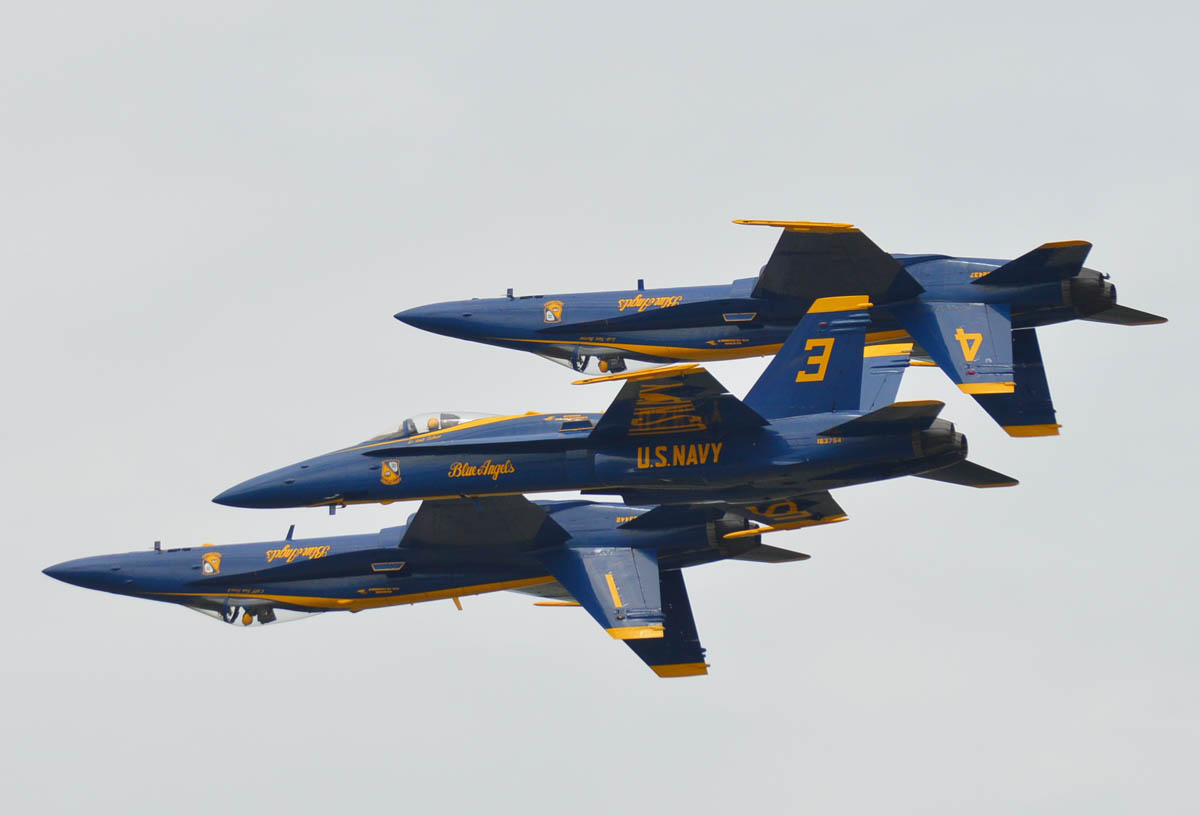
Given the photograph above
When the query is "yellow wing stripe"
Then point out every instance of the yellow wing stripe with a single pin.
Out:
(612, 589)
(644, 374)
(798, 226)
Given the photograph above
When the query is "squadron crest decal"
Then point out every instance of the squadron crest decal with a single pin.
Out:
(552, 311)
(389, 471)
(210, 563)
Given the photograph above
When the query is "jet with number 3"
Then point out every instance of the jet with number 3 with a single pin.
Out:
(820, 417)
(976, 318)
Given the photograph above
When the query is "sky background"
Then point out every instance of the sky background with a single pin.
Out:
(211, 212)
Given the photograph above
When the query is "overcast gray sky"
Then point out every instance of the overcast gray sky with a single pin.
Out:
(211, 212)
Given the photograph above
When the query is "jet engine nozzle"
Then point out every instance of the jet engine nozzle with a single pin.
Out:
(939, 439)
(1089, 293)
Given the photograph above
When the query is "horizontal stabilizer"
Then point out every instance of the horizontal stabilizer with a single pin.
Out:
(1124, 316)
(1049, 262)
(618, 586)
(895, 418)
(678, 652)
(766, 554)
(495, 522)
(814, 260)
(969, 474)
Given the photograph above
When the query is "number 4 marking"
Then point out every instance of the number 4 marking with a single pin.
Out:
(821, 361)
(970, 342)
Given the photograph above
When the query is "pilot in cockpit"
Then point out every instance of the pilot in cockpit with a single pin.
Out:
(434, 423)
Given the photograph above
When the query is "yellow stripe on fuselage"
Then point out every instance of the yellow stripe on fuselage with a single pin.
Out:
(694, 354)
(359, 604)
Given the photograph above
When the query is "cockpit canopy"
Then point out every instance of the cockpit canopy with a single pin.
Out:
(430, 422)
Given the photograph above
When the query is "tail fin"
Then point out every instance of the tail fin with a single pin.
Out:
(819, 369)
(1028, 411)
(971, 342)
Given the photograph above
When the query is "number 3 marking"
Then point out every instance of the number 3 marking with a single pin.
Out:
(821, 361)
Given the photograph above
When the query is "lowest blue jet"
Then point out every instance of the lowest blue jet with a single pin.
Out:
(976, 318)
(817, 419)
(621, 564)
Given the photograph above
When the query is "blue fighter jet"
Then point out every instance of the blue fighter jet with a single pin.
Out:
(817, 419)
(976, 318)
(621, 564)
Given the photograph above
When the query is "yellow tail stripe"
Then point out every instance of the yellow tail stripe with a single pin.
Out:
(1032, 430)
(680, 669)
(987, 387)
(841, 303)
(636, 632)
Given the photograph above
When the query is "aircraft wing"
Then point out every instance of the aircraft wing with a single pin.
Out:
(678, 652)
(814, 260)
(510, 523)
(618, 586)
(679, 399)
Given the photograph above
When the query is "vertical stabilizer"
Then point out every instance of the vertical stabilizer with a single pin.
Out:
(820, 367)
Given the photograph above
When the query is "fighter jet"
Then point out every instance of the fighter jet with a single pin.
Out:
(672, 436)
(621, 564)
(976, 318)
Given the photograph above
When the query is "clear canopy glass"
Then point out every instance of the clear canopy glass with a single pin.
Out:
(429, 422)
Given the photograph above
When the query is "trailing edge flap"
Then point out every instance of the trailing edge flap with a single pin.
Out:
(766, 554)
(683, 400)
(493, 522)
(618, 586)
(678, 652)
(971, 342)
(1124, 316)
(1028, 411)
(969, 474)
(895, 418)
(1049, 262)
(813, 260)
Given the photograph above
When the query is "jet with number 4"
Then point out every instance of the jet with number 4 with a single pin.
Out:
(621, 564)
(820, 417)
(976, 318)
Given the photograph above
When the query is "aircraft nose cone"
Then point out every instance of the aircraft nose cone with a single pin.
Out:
(261, 491)
(441, 318)
(89, 573)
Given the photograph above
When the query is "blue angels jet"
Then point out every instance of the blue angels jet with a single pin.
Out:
(621, 564)
(976, 318)
(817, 419)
